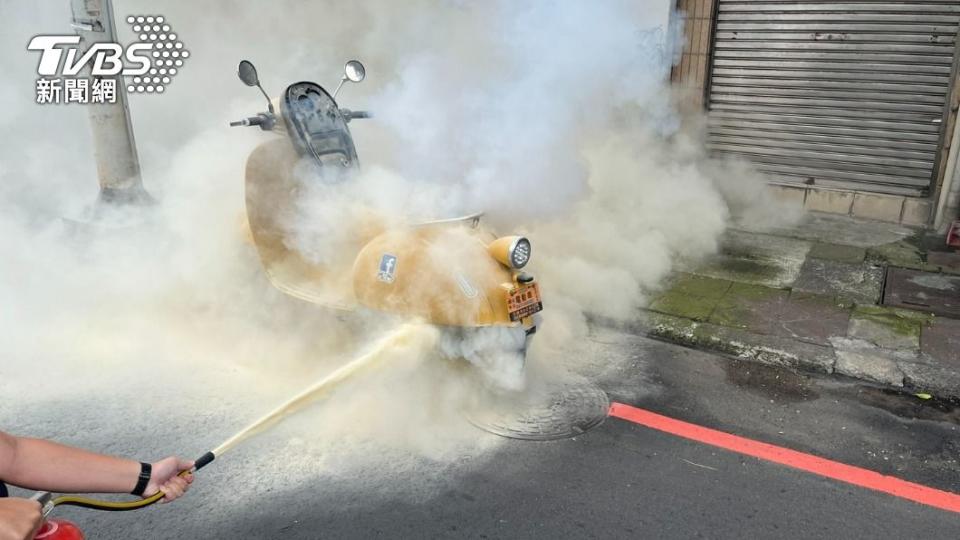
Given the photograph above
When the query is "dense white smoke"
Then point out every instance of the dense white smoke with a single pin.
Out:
(555, 118)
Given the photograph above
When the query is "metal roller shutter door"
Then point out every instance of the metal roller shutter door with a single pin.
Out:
(832, 93)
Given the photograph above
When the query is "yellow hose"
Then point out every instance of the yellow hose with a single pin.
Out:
(97, 504)
(401, 337)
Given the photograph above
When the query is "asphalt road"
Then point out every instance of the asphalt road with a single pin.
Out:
(618, 480)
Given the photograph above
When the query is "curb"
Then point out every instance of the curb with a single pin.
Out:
(900, 370)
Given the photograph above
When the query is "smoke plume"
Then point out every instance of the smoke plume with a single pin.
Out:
(554, 118)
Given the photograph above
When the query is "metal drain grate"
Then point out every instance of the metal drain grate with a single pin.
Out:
(924, 291)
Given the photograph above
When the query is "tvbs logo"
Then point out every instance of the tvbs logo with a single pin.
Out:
(106, 58)
(147, 65)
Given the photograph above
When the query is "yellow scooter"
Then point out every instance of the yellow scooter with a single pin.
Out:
(454, 273)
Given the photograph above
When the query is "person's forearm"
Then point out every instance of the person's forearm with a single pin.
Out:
(48, 466)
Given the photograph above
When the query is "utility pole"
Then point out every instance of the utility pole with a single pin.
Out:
(115, 150)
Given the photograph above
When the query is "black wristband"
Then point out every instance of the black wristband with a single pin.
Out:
(146, 470)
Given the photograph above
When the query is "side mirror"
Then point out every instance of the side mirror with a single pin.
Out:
(353, 71)
(248, 74)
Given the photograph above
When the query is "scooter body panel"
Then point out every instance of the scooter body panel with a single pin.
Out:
(440, 273)
(271, 196)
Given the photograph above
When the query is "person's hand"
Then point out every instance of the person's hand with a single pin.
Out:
(165, 477)
(19, 518)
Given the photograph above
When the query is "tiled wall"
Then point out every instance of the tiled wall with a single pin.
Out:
(691, 73)
(908, 211)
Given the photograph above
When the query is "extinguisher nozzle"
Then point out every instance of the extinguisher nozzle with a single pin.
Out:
(203, 461)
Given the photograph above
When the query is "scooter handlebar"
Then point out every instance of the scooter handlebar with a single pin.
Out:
(349, 115)
(252, 121)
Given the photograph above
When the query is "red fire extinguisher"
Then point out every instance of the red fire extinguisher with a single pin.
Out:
(59, 529)
(54, 528)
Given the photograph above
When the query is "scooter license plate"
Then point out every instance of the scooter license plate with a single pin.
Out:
(524, 301)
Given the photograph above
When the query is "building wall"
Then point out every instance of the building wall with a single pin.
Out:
(691, 77)
(691, 74)
(946, 197)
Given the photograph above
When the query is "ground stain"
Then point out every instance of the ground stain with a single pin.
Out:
(907, 405)
(935, 281)
(745, 264)
(773, 382)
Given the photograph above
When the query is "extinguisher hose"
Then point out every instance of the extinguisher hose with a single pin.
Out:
(111, 506)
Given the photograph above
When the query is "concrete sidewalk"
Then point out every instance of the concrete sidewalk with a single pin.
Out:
(814, 298)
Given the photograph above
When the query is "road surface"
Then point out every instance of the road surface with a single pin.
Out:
(618, 480)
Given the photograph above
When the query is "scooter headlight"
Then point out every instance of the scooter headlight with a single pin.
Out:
(520, 253)
(511, 251)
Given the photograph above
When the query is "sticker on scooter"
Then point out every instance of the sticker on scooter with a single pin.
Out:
(388, 268)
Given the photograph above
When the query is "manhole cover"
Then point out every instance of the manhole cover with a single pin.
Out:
(551, 411)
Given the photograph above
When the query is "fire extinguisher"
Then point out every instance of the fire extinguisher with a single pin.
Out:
(61, 529)
(54, 528)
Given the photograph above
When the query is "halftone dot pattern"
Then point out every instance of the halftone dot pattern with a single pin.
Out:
(166, 51)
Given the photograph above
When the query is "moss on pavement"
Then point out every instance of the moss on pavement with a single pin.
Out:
(902, 322)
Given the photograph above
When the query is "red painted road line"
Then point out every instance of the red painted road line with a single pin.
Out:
(791, 458)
